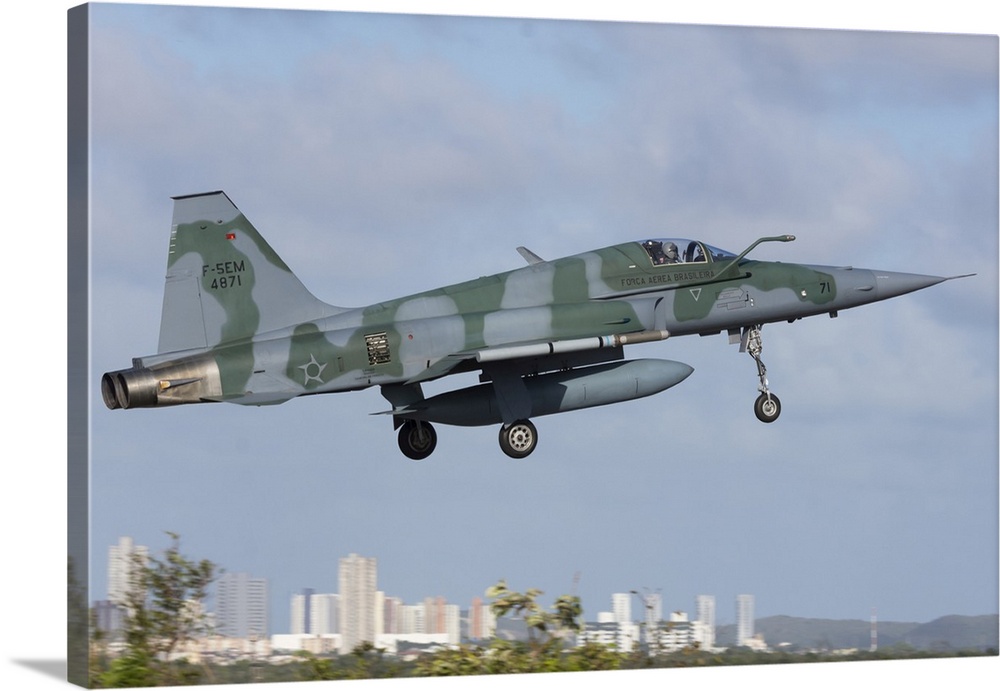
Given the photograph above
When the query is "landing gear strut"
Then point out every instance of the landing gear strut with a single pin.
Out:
(518, 439)
(417, 439)
(767, 407)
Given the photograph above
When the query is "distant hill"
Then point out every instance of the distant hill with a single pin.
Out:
(956, 633)
(946, 633)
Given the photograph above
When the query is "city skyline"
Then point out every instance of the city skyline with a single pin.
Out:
(238, 622)
(357, 576)
(359, 611)
(317, 612)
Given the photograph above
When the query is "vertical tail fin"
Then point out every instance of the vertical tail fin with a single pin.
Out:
(224, 283)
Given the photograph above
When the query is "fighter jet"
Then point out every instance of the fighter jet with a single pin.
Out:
(549, 337)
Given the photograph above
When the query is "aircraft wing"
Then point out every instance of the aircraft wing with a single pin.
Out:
(442, 367)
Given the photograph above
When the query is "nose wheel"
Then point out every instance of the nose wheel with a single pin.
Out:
(767, 407)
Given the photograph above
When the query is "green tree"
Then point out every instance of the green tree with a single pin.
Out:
(545, 651)
(368, 662)
(162, 611)
(365, 661)
(543, 624)
(313, 668)
(77, 621)
(592, 657)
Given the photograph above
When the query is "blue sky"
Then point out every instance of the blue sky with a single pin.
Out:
(383, 155)
(386, 155)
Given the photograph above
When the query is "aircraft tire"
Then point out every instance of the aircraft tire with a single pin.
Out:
(518, 440)
(417, 440)
(767, 409)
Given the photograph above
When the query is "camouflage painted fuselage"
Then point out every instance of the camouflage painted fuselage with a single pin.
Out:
(238, 325)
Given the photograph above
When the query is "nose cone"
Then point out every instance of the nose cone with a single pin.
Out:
(889, 284)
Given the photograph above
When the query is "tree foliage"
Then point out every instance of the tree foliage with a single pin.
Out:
(77, 627)
(545, 651)
(564, 617)
(365, 661)
(162, 611)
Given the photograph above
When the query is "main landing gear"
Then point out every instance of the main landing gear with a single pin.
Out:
(518, 439)
(417, 439)
(767, 407)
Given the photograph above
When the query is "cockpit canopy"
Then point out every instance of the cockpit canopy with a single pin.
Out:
(679, 251)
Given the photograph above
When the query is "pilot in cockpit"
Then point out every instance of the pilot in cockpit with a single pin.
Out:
(661, 252)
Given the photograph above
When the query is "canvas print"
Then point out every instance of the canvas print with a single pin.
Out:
(419, 346)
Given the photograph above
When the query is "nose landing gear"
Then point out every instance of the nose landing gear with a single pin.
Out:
(767, 407)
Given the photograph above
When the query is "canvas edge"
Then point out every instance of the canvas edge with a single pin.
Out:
(78, 345)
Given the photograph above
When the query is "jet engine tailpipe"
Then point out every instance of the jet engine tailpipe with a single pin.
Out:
(186, 380)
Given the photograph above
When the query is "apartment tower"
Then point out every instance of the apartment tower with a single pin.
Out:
(358, 578)
(744, 619)
(241, 606)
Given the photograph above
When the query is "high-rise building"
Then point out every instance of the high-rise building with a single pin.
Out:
(325, 614)
(122, 559)
(392, 615)
(654, 610)
(482, 621)
(379, 614)
(621, 605)
(705, 608)
(411, 619)
(442, 618)
(744, 619)
(358, 578)
(302, 611)
(453, 624)
(241, 606)
(109, 617)
(434, 614)
(298, 614)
